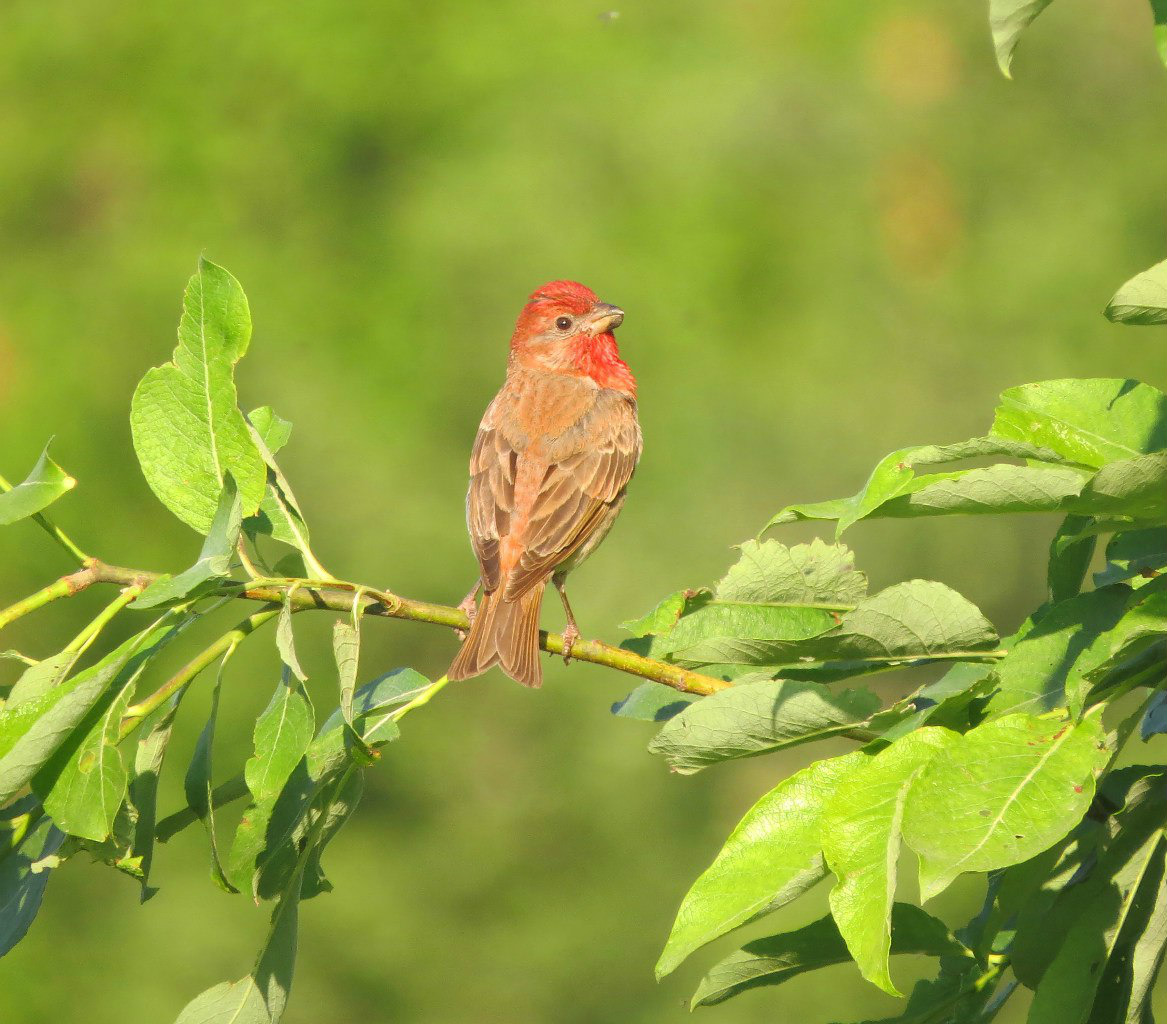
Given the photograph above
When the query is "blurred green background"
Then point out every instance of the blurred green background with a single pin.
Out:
(836, 230)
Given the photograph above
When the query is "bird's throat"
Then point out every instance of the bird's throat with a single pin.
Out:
(599, 359)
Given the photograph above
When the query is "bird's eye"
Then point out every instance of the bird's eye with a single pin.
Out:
(563, 323)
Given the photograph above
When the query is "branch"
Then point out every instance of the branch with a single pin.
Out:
(338, 597)
(66, 586)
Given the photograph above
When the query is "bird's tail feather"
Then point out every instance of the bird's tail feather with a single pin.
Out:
(504, 633)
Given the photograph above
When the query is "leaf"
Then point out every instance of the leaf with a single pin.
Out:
(1129, 488)
(39, 678)
(1069, 558)
(199, 783)
(143, 789)
(653, 702)
(84, 784)
(286, 640)
(1089, 422)
(774, 960)
(665, 615)
(1154, 721)
(279, 515)
(260, 997)
(861, 842)
(1143, 299)
(33, 729)
(44, 485)
(1071, 984)
(916, 619)
(895, 478)
(1008, 19)
(24, 873)
(187, 428)
(771, 857)
(1159, 10)
(214, 561)
(1002, 793)
(1044, 668)
(806, 574)
(756, 718)
(346, 649)
(281, 738)
(340, 807)
(1134, 555)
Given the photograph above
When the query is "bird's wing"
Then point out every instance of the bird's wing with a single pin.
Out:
(491, 498)
(588, 469)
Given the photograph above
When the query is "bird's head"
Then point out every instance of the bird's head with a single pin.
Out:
(565, 328)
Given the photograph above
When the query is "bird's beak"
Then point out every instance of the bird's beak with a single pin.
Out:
(604, 318)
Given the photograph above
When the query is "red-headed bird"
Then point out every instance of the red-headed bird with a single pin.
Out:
(548, 473)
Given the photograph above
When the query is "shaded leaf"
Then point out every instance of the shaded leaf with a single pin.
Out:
(653, 702)
(286, 639)
(279, 514)
(1070, 553)
(755, 718)
(861, 843)
(143, 790)
(1154, 721)
(44, 485)
(24, 873)
(188, 431)
(199, 783)
(1002, 793)
(214, 561)
(806, 574)
(1134, 555)
(774, 960)
(771, 857)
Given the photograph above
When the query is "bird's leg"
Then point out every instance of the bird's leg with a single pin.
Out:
(571, 630)
(469, 606)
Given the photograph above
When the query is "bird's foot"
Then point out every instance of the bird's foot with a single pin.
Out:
(470, 607)
(570, 636)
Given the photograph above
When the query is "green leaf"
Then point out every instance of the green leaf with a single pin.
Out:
(279, 514)
(1069, 558)
(756, 718)
(806, 574)
(861, 842)
(338, 809)
(286, 639)
(24, 873)
(143, 790)
(772, 857)
(35, 727)
(1129, 488)
(1159, 11)
(916, 619)
(895, 478)
(1154, 721)
(1130, 879)
(346, 649)
(1134, 555)
(1002, 793)
(665, 615)
(199, 783)
(1008, 19)
(39, 678)
(1042, 669)
(281, 738)
(653, 702)
(1143, 299)
(777, 959)
(188, 431)
(1089, 422)
(44, 485)
(214, 561)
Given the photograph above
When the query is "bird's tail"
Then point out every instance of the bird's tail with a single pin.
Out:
(504, 633)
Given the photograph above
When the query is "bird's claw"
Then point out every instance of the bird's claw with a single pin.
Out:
(470, 607)
(570, 636)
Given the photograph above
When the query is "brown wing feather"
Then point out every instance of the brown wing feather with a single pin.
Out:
(491, 498)
(578, 490)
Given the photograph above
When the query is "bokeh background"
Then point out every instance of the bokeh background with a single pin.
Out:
(836, 230)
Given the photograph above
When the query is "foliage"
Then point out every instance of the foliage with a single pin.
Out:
(1005, 766)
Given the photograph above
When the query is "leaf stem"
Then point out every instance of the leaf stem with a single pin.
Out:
(52, 529)
(82, 640)
(421, 699)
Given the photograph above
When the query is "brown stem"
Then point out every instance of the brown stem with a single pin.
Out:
(304, 597)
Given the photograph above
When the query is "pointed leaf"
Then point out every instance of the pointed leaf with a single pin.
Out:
(1143, 299)
(1002, 793)
(188, 430)
(771, 857)
(861, 843)
(756, 718)
(286, 640)
(774, 960)
(143, 791)
(44, 485)
(1008, 19)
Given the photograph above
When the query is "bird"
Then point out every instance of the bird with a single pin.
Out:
(549, 470)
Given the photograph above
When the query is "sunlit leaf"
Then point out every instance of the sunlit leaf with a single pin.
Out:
(44, 485)
(1143, 299)
(188, 430)
(805, 574)
(1008, 19)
